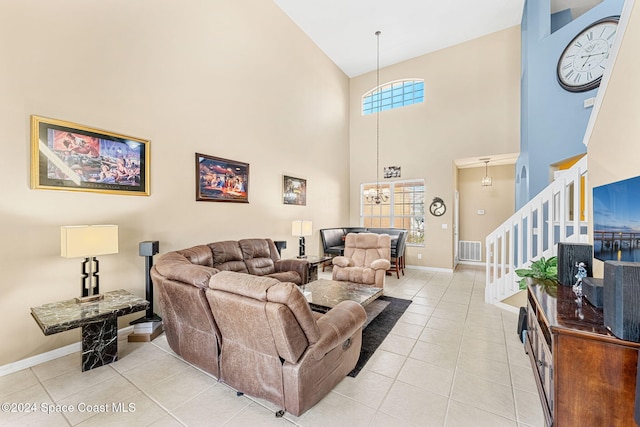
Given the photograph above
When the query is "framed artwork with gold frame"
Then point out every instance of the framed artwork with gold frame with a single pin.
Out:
(73, 157)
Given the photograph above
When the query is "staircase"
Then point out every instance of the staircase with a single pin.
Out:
(557, 214)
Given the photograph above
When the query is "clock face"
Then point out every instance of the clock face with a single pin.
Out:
(585, 58)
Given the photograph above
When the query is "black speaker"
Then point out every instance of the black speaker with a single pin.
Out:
(280, 245)
(568, 255)
(149, 248)
(522, 323)
(621, 299)
(592, 289)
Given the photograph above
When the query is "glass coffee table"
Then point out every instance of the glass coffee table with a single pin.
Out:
(324, 294)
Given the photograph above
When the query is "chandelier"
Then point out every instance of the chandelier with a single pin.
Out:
(377, 195)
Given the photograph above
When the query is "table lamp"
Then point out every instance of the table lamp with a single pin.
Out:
(88, 241)
(301, 229)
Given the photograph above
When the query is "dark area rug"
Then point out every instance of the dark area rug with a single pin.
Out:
(378, 328)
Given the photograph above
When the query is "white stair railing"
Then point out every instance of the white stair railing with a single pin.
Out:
(557, 214)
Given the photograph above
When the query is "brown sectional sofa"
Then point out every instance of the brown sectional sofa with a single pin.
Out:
(245, 322)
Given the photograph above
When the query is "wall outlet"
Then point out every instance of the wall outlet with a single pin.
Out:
(419, 256)
(480, 211)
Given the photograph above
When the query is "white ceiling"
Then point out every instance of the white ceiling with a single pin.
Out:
(345, 29)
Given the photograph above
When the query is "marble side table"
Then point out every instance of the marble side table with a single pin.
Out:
(98, 319)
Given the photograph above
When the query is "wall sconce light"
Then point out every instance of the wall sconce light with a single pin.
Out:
(301, 229)
(88, 241)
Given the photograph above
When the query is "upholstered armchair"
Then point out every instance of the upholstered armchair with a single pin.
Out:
(274, 347)
(366, 259)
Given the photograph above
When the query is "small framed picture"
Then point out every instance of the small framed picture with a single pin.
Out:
(73, 157)
(392, 171)
(221, 180)
(294, 191)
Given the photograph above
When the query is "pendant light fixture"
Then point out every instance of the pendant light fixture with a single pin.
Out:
(486, 180)
(378, 196)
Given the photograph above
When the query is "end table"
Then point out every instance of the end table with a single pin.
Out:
(314, 262)
(99, 322)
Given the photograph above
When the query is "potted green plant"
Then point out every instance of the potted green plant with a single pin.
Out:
(542, 270)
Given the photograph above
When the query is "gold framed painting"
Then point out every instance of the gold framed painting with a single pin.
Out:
(72, 157)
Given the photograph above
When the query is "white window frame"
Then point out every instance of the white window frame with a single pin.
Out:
(382, 105)
(390, 185)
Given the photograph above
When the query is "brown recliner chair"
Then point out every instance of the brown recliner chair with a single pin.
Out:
(366, 259)
(274, 347)
(189, 326)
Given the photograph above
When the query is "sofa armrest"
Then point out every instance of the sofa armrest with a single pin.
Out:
(381, 264)
(337, 326)
(300, 266)
(342, 261)
(176, 267)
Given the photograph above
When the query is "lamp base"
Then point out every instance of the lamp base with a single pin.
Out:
(90, 298)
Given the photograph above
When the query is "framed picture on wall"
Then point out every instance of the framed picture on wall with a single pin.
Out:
(69, 156)
(294, 191)
(392, 171)
(221, 180)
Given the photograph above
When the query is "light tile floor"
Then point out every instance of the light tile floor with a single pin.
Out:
(451, 360)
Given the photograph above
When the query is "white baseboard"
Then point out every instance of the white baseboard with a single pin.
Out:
(476, 263)
(51, 355)
(435, 269)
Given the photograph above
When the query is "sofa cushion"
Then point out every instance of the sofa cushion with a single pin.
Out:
(257, 256)
(363, 248)
(287, 276)
(227, 256)
(254, 248)
(200, 255)
(355, 275)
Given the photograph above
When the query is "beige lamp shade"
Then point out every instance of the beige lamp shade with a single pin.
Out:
(301, 228)
(78, 241)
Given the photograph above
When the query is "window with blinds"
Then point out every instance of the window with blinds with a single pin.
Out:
(403, 209)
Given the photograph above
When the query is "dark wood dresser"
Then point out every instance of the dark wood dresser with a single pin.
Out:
(585, 375)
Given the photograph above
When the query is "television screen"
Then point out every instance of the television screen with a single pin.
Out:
(616, 221)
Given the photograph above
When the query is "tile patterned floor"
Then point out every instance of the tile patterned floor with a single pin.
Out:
(451, 360)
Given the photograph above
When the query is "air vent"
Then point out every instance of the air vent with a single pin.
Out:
(469, 251)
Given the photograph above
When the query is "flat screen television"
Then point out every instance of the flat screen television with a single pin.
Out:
(616, 221)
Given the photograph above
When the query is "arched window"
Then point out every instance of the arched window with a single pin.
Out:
(393, 95)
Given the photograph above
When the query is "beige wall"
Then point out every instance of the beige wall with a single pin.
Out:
(230, 78)
(471, 108)
(614, 146)
(497, 201)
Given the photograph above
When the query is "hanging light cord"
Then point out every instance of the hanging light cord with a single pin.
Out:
(378, 116)
(379, 196)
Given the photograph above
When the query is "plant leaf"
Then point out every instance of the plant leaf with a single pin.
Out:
(524, 272)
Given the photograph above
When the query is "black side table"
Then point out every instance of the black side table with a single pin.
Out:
(314, 262)
(98, 319)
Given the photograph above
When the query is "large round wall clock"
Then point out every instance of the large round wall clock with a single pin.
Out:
(437, 207)
(585, 58)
